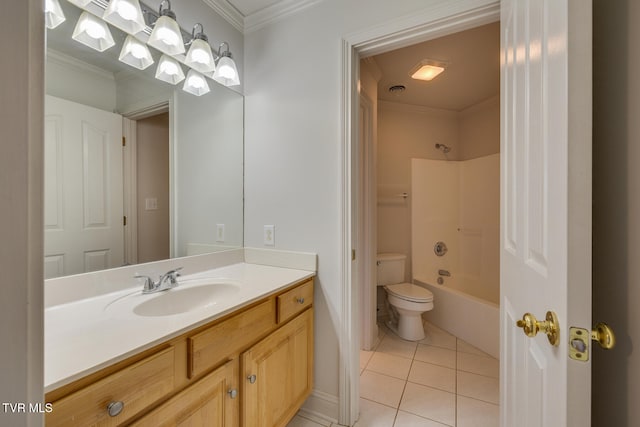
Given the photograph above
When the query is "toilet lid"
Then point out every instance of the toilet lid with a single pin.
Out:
(409, 291)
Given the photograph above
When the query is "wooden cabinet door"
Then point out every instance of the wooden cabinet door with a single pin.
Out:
(210, 402)
(278, 374)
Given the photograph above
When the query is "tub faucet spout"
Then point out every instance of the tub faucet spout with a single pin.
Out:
(444, 273)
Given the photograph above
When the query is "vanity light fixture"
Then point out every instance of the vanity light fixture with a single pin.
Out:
(126, 15)
(226, 72)
(166, 36)
(93, 32)
(199, 56)
(169, 70)
(135, 53)
(195, 84)
(427, 69)
(53, 15)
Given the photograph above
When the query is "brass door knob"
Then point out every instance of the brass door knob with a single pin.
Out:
(549, 326)
(604, 336)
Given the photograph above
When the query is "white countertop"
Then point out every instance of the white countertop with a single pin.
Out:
(84, 336)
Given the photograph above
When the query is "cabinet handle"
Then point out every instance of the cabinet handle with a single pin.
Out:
(233, 393)
(114, 408)
(300, 300)
(252, 378)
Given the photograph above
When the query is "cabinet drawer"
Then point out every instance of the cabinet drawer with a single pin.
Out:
(136, 386)
(294, 301)
(220, 342)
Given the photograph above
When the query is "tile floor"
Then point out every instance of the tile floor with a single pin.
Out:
(439, 381)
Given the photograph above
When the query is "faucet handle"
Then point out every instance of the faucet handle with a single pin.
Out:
(171, 275)
(148, 282)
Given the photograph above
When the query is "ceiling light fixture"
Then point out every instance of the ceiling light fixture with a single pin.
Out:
(53, 15)
(427, 70)
(135, 53)
(93, 32)
(166, 35)
(195, 83)
(226, 71)
(199, 56)
(169, 70)
(126, 15)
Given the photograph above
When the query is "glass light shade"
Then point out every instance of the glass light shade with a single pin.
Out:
(169, 70)
(53, 15)
(80, 3)
(199, 56)
(126, 15)
(427, 70)
(166, 36)
(195, 83)
(226, 72)
(93, 32)
(135, 53)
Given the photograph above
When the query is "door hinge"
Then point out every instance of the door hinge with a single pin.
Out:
(124, 141)
(353, 254)
(124, 220)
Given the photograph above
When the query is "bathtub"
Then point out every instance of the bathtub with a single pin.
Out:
(471, 319)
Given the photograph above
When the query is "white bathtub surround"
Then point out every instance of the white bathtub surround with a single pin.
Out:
(471, 319)
(457, 202)
(86, 331)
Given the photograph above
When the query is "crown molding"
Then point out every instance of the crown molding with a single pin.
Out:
(274, 13)
(228, 12)
(63, 59)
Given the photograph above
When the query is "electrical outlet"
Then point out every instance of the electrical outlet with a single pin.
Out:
(269, 235)
(219, 232)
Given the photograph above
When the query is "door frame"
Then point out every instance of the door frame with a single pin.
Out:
(433, 22)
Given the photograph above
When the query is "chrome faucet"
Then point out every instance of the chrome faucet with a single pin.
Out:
(167, 281)
(444, 273)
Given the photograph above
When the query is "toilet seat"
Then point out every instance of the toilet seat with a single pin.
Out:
(409, 292)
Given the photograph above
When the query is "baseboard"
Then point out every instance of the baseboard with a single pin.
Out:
(321, 407)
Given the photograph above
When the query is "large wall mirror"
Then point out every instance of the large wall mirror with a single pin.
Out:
(122, 146)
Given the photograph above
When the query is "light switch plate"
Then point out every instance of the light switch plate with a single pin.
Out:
(151, 204)
(219, 232)
(269, 235)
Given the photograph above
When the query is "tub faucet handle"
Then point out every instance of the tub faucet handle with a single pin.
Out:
(444, 273)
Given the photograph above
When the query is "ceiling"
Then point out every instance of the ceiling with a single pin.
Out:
(249, 7)
(472, 74)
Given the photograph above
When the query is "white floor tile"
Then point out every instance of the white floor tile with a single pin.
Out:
(436, 355)
(479, 387)
(474, 413)
(405, 419)
(365, 356)
(388, 364)
(433, 376)
(299, 421)
(381, 388)
(429, 403)
(480, 365)
(392, 344)
(373, 414)
(465, 347)
(437, 337)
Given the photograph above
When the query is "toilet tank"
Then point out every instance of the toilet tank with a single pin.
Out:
(390, 268)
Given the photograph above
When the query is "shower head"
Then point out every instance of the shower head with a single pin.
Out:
(443, 148)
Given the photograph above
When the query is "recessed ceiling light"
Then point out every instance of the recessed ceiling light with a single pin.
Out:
(427, 69)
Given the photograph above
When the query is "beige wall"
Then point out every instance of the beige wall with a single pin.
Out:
(409, 131)
(153, 182)
(616, 210)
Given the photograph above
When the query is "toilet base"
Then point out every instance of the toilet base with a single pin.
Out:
(409, 328)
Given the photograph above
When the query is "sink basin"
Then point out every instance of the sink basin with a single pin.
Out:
(174, 301)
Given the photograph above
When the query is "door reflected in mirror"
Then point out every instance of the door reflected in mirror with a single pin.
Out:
(136, 169)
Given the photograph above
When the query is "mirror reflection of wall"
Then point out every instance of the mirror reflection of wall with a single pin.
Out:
(178, 181)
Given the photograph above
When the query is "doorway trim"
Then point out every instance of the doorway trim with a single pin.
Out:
(433, 22)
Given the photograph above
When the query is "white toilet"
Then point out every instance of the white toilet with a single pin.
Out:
(407, 301)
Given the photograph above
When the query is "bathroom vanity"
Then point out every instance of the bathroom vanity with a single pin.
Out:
(244, 358)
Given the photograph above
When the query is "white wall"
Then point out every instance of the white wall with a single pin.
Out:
(480, 129)
(293, 145)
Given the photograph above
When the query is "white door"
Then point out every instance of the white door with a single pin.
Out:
(84, 228)
(545, 208)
